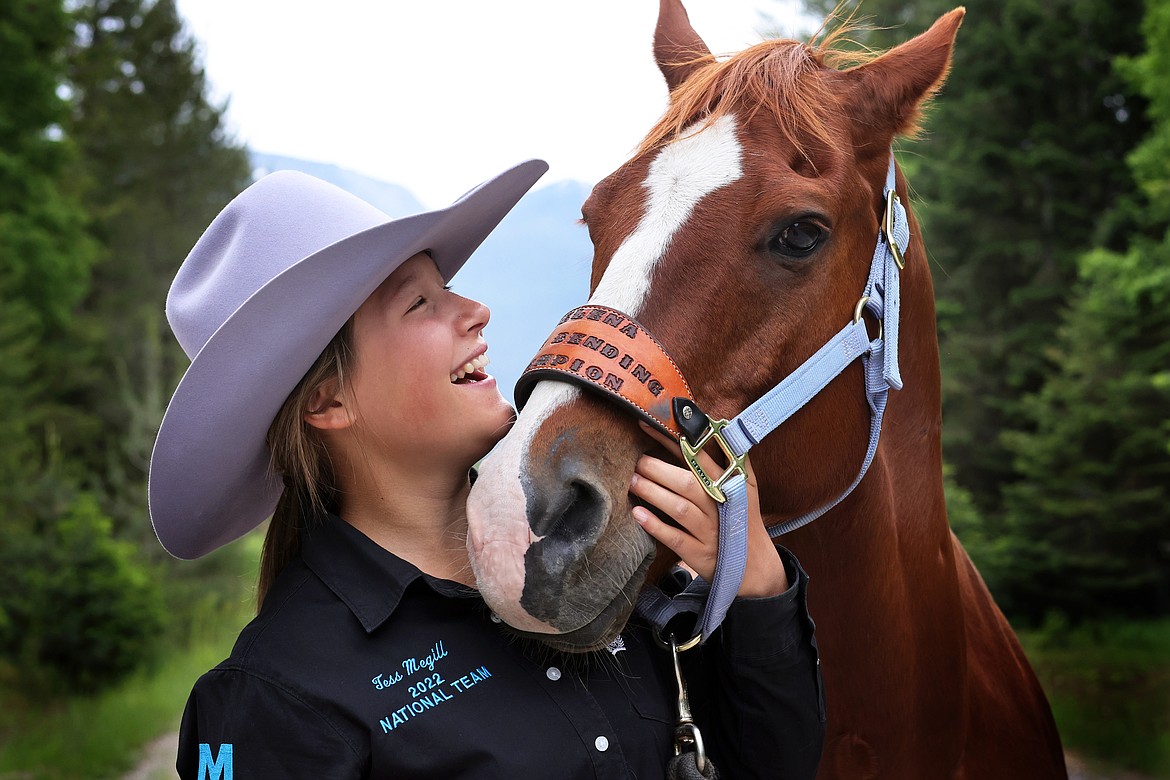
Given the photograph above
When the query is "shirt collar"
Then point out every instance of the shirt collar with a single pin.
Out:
(369, 579)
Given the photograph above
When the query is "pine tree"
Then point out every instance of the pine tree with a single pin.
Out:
(1019, 170)
(74, 607)
(45, 256)
(158, 165)
(141, 161)
(1091, 516)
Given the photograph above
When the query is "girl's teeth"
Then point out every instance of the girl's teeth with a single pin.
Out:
(476, 364)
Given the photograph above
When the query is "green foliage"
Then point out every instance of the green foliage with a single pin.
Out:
(990, 553)
(45, 255)
(79, 613)
(74, 608)
(157, 165)
(1109, 686)
(1012, 183)
(1091, 517)
(159, 161)
(1052, 136)
(109, 155)
(101, 735)
(1151, 161)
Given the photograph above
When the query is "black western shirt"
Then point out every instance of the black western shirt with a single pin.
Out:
(361, 666)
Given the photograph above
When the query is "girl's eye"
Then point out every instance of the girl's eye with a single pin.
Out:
(797, 240)
(422, 299)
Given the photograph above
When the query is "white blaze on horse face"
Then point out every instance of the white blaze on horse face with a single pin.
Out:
(698, 163)
(498, 533)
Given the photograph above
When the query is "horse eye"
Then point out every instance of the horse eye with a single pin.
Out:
(797, 240)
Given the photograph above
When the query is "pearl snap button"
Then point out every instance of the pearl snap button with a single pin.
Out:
(496, 618)
(553, 673)
(601, 743)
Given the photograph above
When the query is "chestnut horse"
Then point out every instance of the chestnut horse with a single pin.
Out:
(740, 234)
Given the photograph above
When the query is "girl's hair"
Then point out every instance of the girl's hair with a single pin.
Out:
(299, 457)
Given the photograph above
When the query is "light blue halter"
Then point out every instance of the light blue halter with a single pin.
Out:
(738, 435)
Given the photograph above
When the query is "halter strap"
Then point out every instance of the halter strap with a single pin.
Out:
(879, 357)
(608, 352)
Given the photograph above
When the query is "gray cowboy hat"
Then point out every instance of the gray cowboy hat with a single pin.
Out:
(272, 280)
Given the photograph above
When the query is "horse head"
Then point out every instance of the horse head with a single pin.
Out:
(740, 234)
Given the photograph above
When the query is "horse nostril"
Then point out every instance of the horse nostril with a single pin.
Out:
(578, 511)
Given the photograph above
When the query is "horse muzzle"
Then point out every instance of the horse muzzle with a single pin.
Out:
(551, 540)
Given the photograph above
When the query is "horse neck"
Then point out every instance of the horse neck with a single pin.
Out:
(910, 452)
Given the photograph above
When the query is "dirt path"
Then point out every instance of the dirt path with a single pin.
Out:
(1079, 770)
(158, 760)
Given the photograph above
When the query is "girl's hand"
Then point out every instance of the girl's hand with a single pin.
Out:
(677, 493)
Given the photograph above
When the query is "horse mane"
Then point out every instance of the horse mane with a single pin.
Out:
(777, 76)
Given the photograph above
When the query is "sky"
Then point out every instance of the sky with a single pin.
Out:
(437, 96)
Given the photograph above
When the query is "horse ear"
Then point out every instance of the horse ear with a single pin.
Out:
(888, 92)
(677, 47)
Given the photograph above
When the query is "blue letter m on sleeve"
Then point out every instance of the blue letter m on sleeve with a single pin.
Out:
(218, 769)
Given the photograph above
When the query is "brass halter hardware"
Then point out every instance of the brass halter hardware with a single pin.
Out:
(859, 309)
(714, 487)
(888, 228)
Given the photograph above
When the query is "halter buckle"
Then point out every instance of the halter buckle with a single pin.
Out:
(892, 203)
(714, 487)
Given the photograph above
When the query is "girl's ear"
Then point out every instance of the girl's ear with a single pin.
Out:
(328, 409)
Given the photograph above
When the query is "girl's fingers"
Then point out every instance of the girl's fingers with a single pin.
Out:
(706, 461)
(676, 479)
(675, 491)
(679, 495)
(655, 484)
(698, 556)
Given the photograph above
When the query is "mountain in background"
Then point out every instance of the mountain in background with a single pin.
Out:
(531, 270)
(394, 200)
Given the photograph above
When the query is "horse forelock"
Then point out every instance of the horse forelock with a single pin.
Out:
(779, 77)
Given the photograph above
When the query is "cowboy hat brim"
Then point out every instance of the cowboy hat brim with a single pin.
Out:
(210, 479)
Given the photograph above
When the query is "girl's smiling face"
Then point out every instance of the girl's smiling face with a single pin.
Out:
(417, 391)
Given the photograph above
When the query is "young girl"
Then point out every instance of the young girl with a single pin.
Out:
(338, 385)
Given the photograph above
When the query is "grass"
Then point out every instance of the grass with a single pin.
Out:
(101, 736)
(1109, 686)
